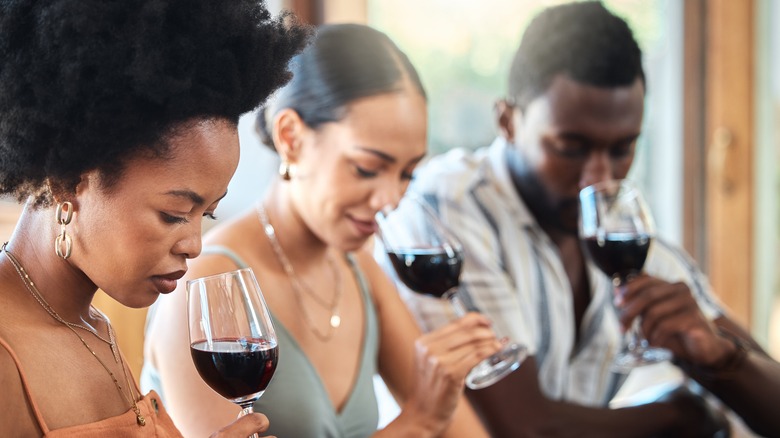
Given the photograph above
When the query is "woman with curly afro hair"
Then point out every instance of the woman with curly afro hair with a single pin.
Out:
(118, 128)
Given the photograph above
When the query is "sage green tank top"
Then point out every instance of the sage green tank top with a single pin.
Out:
(296, 402)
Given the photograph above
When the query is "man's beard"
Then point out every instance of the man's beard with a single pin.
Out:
(567, 211)
(553, 214)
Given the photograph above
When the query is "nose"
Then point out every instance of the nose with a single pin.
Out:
(597, 168)
(388, 195)
(190, 244)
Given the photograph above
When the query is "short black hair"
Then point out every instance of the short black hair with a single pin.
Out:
(343, 63)
(88, 84)
(582, 40)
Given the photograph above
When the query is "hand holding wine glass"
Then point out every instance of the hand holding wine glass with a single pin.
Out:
(616, 229)
(428, 259)
(232, 339)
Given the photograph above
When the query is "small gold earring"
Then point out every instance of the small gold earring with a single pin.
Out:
(284, 170)
(63, 244)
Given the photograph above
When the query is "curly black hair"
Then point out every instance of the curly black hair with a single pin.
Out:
(87, 84)
(583, 40)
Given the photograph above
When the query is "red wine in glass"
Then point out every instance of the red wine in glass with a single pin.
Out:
(236, 367)
(429, 271)
(619, 255)
(616, 230)
(232, 339)
(428, 259)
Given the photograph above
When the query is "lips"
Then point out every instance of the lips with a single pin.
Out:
(167, 283)
(366, 228)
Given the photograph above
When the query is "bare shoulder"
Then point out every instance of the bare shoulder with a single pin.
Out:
(235, 231)
(366, 262)
(8, 370)
(374, 274)
(382, 288)
(240, 234)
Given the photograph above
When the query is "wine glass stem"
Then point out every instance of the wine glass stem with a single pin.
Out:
(636, 342)
(461, 308)
(457, 303)
(246, 409)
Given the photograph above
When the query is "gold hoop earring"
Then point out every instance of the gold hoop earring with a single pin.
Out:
(284, 170)
(63, 244)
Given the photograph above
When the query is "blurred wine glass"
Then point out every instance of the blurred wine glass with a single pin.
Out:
(428, 259)
(616, 230)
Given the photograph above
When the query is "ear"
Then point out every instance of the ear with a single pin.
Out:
(505, 112)
(287, 132)
(60, 194)
(89, 180)
(86, 181)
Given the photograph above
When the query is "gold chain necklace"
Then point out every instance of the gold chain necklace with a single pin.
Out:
(30, 285)
(298, 285)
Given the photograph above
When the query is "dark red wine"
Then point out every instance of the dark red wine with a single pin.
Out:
(236, 368)
(429, 271)
(619, 255)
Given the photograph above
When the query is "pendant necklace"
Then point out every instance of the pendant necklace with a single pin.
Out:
(111, 341)
(30, 286)
(299, 287)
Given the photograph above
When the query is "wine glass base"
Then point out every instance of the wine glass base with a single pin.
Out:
(625, 362)
(496, 367)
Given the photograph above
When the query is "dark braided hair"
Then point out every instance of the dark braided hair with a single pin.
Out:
(88, 84)
(582, 40)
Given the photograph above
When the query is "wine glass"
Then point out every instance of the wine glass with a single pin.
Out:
(232, 339)
(616, 230)
(428, 259)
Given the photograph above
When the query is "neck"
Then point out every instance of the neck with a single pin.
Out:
(300, 244)
(60, 283)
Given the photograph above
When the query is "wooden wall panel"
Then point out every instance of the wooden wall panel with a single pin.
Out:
(694, 153)
(730, 138)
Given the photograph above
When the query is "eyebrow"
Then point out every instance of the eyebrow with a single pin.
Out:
(584, 139)
(380, 154)
(192, 196)
(386, 157)
(629, 139)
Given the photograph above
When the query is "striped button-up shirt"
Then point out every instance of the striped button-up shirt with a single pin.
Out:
(513, 273)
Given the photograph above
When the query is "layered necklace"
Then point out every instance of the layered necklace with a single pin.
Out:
(128, 395)
(299, 287)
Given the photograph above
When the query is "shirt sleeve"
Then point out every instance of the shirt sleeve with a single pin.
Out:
(490, 279)
(671, 263)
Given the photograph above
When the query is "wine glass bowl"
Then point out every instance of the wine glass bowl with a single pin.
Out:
(616, 230)
(428, 259)
(428, 271)
(232, 340)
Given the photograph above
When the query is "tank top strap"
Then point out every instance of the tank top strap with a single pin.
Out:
(26, 387)
(363, 284)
